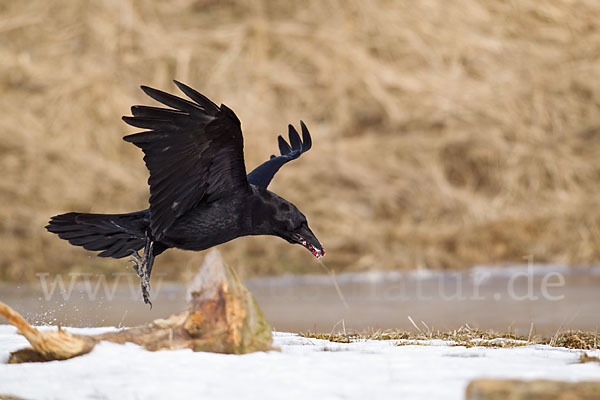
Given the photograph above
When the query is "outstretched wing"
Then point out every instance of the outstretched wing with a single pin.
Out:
(261, 176)
(193, 150)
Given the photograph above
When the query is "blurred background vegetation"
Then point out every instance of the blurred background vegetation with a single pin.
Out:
(446, 133)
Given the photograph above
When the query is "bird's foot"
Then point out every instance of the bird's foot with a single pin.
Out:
(137, 261)
(141, 269)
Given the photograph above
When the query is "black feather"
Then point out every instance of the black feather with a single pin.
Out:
(199, 98)
(173, 101)
(262, 175)
(284, 147)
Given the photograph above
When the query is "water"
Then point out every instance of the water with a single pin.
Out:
(508, 298)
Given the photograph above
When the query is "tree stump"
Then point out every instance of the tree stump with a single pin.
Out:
(222, 317)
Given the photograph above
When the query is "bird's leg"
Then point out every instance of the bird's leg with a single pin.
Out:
(143, 267)
(145, 273)
(138, 261)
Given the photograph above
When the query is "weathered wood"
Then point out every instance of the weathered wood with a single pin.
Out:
(46, 345)
(222, 317)
(501, 389)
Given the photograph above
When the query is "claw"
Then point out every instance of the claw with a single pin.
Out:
(139, 265)
(137, 262)
(136, 256)
(142, 269)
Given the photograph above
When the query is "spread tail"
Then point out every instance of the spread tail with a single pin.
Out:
(115, 235)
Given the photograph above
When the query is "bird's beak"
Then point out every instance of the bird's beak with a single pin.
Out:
(306, 238)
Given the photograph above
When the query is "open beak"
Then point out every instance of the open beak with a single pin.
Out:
(306, 238)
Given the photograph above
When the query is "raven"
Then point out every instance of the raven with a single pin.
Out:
(200, 195)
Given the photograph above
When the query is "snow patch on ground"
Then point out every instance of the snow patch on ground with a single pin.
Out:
(305, 368)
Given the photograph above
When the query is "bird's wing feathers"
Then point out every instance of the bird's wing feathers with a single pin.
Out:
(194, 152)
(263, 174)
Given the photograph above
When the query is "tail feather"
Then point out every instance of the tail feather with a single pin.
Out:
(115, 235)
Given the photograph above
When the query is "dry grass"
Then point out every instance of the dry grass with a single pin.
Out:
(468, 337)
(446, 133)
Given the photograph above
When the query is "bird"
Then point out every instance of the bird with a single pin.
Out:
(200, 194)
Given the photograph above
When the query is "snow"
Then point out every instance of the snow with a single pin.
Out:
(304, 368)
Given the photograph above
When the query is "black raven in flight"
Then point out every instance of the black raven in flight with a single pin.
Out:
(200, 195)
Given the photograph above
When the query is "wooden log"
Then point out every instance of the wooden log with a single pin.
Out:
(222, 317)
(46, 345)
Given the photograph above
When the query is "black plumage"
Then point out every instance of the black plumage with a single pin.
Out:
(200, 195)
